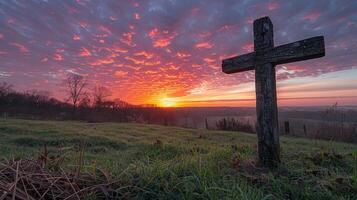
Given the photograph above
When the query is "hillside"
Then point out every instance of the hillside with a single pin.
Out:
(161, 162)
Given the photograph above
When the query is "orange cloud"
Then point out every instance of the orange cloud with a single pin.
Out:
(142, 62)
(150, 72)
(145, 54)
(182, 55)
(173, 67)
(162, 42)
(118, 49)
(161, 38)
(120, 73)
(76, 37)
(204, 45)
(103, 61)
(209, 60)
(127, 38)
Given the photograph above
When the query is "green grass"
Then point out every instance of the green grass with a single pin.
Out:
(161, 162)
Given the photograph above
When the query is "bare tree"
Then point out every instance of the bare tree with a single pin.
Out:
(85, 102)
(5, 88)
(75, 85)
(100, 93)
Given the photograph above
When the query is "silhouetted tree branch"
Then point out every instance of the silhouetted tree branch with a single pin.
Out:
(75, 85)
(100, 93)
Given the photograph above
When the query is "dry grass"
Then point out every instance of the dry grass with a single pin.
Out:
(44, 178)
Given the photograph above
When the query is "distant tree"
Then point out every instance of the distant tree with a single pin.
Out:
(5, 88)
(100, 93)
(85, 102)
(75, 86)
(37, 98)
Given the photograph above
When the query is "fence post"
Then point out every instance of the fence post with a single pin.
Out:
(287, 127)
(206, 123)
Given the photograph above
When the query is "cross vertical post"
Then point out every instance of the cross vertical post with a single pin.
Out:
(263, 61)
(266, 100)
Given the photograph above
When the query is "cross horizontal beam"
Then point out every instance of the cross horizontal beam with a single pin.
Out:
(297, 51)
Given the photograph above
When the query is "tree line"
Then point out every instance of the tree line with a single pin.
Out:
(82, 102)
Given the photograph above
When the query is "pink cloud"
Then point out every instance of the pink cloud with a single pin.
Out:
(127, 38)
(57, 57)
(203, 34)
(105, 30)
(248, 47)
(137, 16)
(21, 47)
(272, 6)
(120, 73)
(113, 18)
(204, 45)
(313, 16)
(84, 52)
(153, 32)
(105, 61)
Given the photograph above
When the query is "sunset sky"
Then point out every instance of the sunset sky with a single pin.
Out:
(169, 52)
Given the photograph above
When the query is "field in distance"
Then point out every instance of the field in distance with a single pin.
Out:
(177, 163)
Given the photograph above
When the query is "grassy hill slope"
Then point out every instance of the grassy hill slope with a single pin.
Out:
(177, 163)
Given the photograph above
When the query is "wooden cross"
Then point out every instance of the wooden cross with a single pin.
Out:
(263, 60)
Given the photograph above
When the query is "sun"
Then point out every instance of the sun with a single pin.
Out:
(167, 102)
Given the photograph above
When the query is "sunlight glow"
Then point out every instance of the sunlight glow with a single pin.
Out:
(168, 102)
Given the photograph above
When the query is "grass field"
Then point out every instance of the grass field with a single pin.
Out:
(158, 162)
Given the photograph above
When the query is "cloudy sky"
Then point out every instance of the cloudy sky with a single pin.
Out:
(169, 52)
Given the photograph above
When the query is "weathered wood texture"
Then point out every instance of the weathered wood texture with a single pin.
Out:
(263, 60)
(297, 51)
(266, 100)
